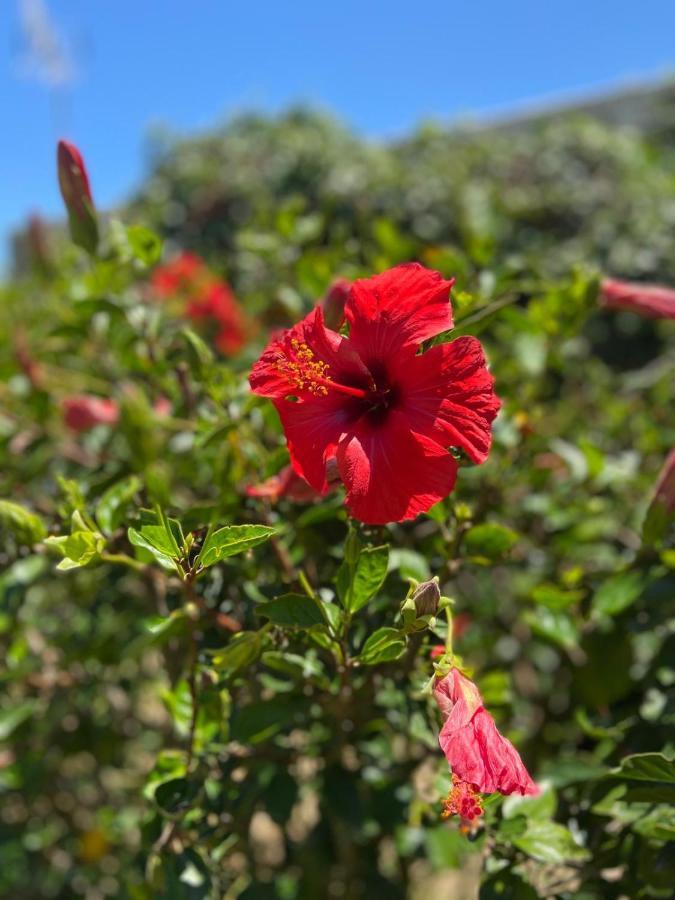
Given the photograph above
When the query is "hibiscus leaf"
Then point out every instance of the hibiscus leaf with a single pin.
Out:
(653, 775)
(549, 842)
(241, 652)
(357, 583)
(616, 594)
(293, 611)
(25, 526)
(230, 540)
(489, 542)
(112, 505)
(383, 645)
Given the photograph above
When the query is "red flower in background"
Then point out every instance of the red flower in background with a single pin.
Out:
(478, 754)
(205, 298)
(285, 484)
(371, 401)
(180, 274)
(649, 300)
(82, 412)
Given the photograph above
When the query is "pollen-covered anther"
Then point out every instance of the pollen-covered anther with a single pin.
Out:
(302, 370)
(464, 801)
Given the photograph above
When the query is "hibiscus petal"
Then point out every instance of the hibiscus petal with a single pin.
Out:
(397, 310)
(391, 474)
(325, 353)
(313, 429)
(448, 394)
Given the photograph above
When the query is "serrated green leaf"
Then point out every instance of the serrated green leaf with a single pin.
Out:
(232, 539)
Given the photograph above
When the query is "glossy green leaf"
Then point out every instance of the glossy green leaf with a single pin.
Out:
(232, 539)
(383, 645)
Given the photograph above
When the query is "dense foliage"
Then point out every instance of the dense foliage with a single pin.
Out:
(213, 694)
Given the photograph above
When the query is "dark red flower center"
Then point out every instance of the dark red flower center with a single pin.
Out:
(372, 395)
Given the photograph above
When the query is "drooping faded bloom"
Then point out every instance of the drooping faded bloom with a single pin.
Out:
(204, 299)
(81, 412)
(76, 193)
(385, 412)
(652, 301)
(477, 753)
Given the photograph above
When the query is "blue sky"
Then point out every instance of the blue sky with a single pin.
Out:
(380, 66)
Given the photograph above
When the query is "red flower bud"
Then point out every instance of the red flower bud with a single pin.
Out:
(81, 412)
(76, 193)
(333, 303)
(649, 300)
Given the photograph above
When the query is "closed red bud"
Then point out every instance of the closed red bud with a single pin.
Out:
(652, 301)
(333, 304)
(76, 193)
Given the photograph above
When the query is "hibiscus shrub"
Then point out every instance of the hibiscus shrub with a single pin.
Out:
(349, 580)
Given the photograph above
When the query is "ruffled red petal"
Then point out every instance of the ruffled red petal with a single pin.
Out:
(397, 310)
(448, 394)
(390, 473)
(302, 361)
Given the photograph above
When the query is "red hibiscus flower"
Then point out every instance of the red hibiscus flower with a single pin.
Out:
(179, 274)
(216, 305)
(81, 412)
(387, 413)
(205, 299)
(649, 300)
(478, 754)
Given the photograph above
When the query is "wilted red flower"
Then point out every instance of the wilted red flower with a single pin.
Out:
(83, 411)
(386, 412)
(76, 193)
(478, 754)
(649, 300)
(205, 298)
(664, 492)
(286, 484)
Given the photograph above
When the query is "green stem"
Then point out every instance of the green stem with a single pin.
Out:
(448, 637)
(122, 559)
